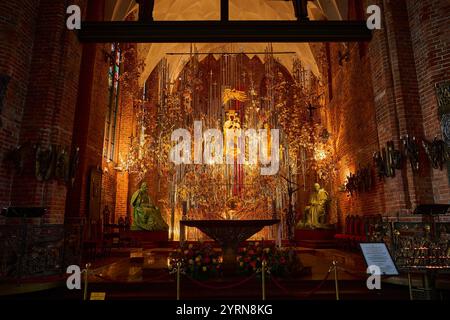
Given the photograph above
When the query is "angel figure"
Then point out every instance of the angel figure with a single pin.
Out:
(233, 94)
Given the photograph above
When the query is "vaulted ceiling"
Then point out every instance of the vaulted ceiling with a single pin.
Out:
(239, 10)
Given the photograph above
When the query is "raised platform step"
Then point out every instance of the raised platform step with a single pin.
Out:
(316, 238)
(290, 290)
(318, 244)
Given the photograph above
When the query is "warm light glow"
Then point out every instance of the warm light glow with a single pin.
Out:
(320, 154)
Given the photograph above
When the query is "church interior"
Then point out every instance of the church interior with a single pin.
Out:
(225, 149)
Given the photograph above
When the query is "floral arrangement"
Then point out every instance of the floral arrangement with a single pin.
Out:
(280, 261)
(199, 260)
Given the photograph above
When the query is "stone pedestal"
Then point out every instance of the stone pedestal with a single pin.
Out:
(315, 238)
(146, 236)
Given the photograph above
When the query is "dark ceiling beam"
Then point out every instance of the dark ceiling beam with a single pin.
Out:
(224, 10)
(224, 31)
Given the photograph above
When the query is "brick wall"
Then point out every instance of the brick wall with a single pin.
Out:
(49, 105)
(59, 94)
(352, 122)
(89, 124)
(17, 34)
(430, 37)
(386, 93)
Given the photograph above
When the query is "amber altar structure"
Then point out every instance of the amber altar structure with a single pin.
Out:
(228, 234)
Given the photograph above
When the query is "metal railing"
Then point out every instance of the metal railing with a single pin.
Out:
(28, 250)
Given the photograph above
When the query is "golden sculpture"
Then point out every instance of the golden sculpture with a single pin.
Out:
(146, 216)
(315, 213)
(233, 94)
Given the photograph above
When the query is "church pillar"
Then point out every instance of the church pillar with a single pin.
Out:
(49, 107)
(397, 104)
(126, 135)
(17, 36)
(429, 27)
(89, 116)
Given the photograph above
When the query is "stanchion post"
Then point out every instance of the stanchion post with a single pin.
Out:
(86, 279)
(410, 287)
(178, 280)
(336, 284)
(263, 277)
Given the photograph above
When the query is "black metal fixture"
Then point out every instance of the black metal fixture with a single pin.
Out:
(146, 30)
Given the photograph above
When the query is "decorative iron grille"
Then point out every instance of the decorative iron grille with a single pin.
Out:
(28, 251)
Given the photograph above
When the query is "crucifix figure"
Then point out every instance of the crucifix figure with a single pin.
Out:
(301, 9)
(146, 10)
(292, 188)
(311, 109)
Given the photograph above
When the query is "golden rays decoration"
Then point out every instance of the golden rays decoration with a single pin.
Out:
(233, 94)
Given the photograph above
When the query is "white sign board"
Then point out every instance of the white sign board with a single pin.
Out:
(377, 254)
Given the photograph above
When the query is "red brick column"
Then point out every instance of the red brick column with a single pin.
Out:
(50, 104)
(397, 103)
(430, 32)
(126, 128)
(17, 34)
(89, 124)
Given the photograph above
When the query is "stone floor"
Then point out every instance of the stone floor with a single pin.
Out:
(126, 269)
(144, 275)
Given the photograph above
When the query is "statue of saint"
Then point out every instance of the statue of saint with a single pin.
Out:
(315, 213)
(146, 216)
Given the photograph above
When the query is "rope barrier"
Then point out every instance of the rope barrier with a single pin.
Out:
(274, 280)
(279, 286)
(302, 295)
(159, 276)
(312, 292)
(353, 273)
(201, 284)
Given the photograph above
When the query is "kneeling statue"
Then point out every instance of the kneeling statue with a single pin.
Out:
(146, 216)
(315, 213)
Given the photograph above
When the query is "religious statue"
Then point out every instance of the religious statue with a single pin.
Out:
(45, 158)
(106, 216)
(437, 152)
(233, 94)
(146, 216)
(233, 122)
(411, 150)
(316, 213)
(232, 208)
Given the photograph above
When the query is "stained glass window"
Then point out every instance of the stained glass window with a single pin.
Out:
(111, 115)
